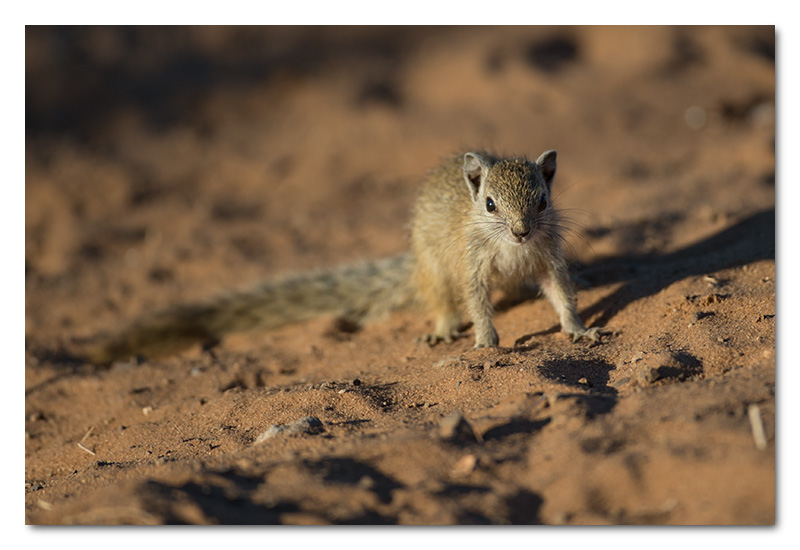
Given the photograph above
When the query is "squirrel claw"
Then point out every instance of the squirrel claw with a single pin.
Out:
(487, 339)
(593, 335)
(484, 345)
(433, 338)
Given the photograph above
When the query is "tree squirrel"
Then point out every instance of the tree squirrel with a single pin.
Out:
(481, 222)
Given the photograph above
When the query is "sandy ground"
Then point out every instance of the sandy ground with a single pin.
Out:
(166, 165)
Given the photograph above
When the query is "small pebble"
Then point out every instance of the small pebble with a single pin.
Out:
(465, 466)
(647, 376)
(763, 114)
(621, 382)
(699, 315)
(308, 425)
(446, 362)
(455, 427)
(366, 482)
(695, 117)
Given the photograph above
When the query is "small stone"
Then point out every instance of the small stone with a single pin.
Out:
(308, 425)
(455, 427)
(695, 117)
(366, 482)
(763, 114)
(700, 315)
(446, 362)
(465, 466)
(621, 382)
(561, 518)
(647, 376)
(715, 298)
(302, 518)
(356, 382)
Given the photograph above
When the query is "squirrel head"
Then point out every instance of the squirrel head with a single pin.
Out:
(512, 192)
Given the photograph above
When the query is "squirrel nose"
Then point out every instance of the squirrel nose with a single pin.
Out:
(520, 231)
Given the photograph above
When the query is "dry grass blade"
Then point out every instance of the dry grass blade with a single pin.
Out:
(757, 427)
(81, 445)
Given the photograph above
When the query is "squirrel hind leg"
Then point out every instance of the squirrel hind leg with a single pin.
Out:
(447, 329)
(436, 295)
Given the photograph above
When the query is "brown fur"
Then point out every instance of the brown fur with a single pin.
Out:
(459, 252)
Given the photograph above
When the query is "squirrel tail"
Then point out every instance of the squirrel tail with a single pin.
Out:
(356, 293)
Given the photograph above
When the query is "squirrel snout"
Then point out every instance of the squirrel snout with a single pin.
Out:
(520, 230)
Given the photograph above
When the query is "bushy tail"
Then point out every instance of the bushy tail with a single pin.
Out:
(357, 293)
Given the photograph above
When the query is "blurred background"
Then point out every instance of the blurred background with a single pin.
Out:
(165, 162)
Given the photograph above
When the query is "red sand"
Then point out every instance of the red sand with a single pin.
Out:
(164, 166)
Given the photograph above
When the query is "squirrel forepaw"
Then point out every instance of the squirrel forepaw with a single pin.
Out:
(434, 338)
(486, 339)
(593, 335)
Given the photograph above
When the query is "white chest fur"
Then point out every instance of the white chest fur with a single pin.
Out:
(517, 262)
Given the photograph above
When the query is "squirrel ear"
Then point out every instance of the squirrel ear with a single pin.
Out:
(475, 170)
(547, 166)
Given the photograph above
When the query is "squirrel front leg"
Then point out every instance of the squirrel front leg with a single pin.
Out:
(557, 286)
(479, 307)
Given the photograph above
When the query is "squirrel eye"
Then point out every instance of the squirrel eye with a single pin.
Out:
(543, 203)
(490, 207)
